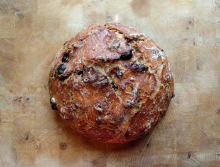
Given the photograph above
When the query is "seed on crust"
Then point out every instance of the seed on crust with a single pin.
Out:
(99, 120)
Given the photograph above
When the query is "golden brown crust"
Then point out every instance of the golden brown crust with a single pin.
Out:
(111, 82)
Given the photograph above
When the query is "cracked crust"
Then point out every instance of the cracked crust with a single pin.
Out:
(111, 83)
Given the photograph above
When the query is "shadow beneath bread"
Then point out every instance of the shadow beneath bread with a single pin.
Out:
(68, 135)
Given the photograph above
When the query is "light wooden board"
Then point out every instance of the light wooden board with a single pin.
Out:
(32, 31)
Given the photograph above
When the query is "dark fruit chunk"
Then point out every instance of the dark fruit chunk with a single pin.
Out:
(142, 134)
(140, 67)
(136, 67)
(54, 106)
(65, 43)
(60, 69)
(114, 87)
(62, 78)
(117, 71)
(126, 55)
(80, 73)
(65, 57)
(53, 103)
(104, 59)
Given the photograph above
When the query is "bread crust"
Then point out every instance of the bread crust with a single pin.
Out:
(111, 83)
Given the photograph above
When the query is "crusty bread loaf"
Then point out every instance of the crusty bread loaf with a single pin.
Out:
(111, 83)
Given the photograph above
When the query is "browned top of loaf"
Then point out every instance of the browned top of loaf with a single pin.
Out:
(115, 83)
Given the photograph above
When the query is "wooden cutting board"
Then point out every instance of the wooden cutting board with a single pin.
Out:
(32, 32)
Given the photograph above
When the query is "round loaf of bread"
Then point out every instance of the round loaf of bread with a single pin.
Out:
(111, 83)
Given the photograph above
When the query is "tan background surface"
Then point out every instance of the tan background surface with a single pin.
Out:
(32, 134)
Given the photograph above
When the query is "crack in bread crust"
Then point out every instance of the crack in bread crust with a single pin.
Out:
(114, 85)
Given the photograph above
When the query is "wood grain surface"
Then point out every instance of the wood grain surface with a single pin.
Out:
(32, 32)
